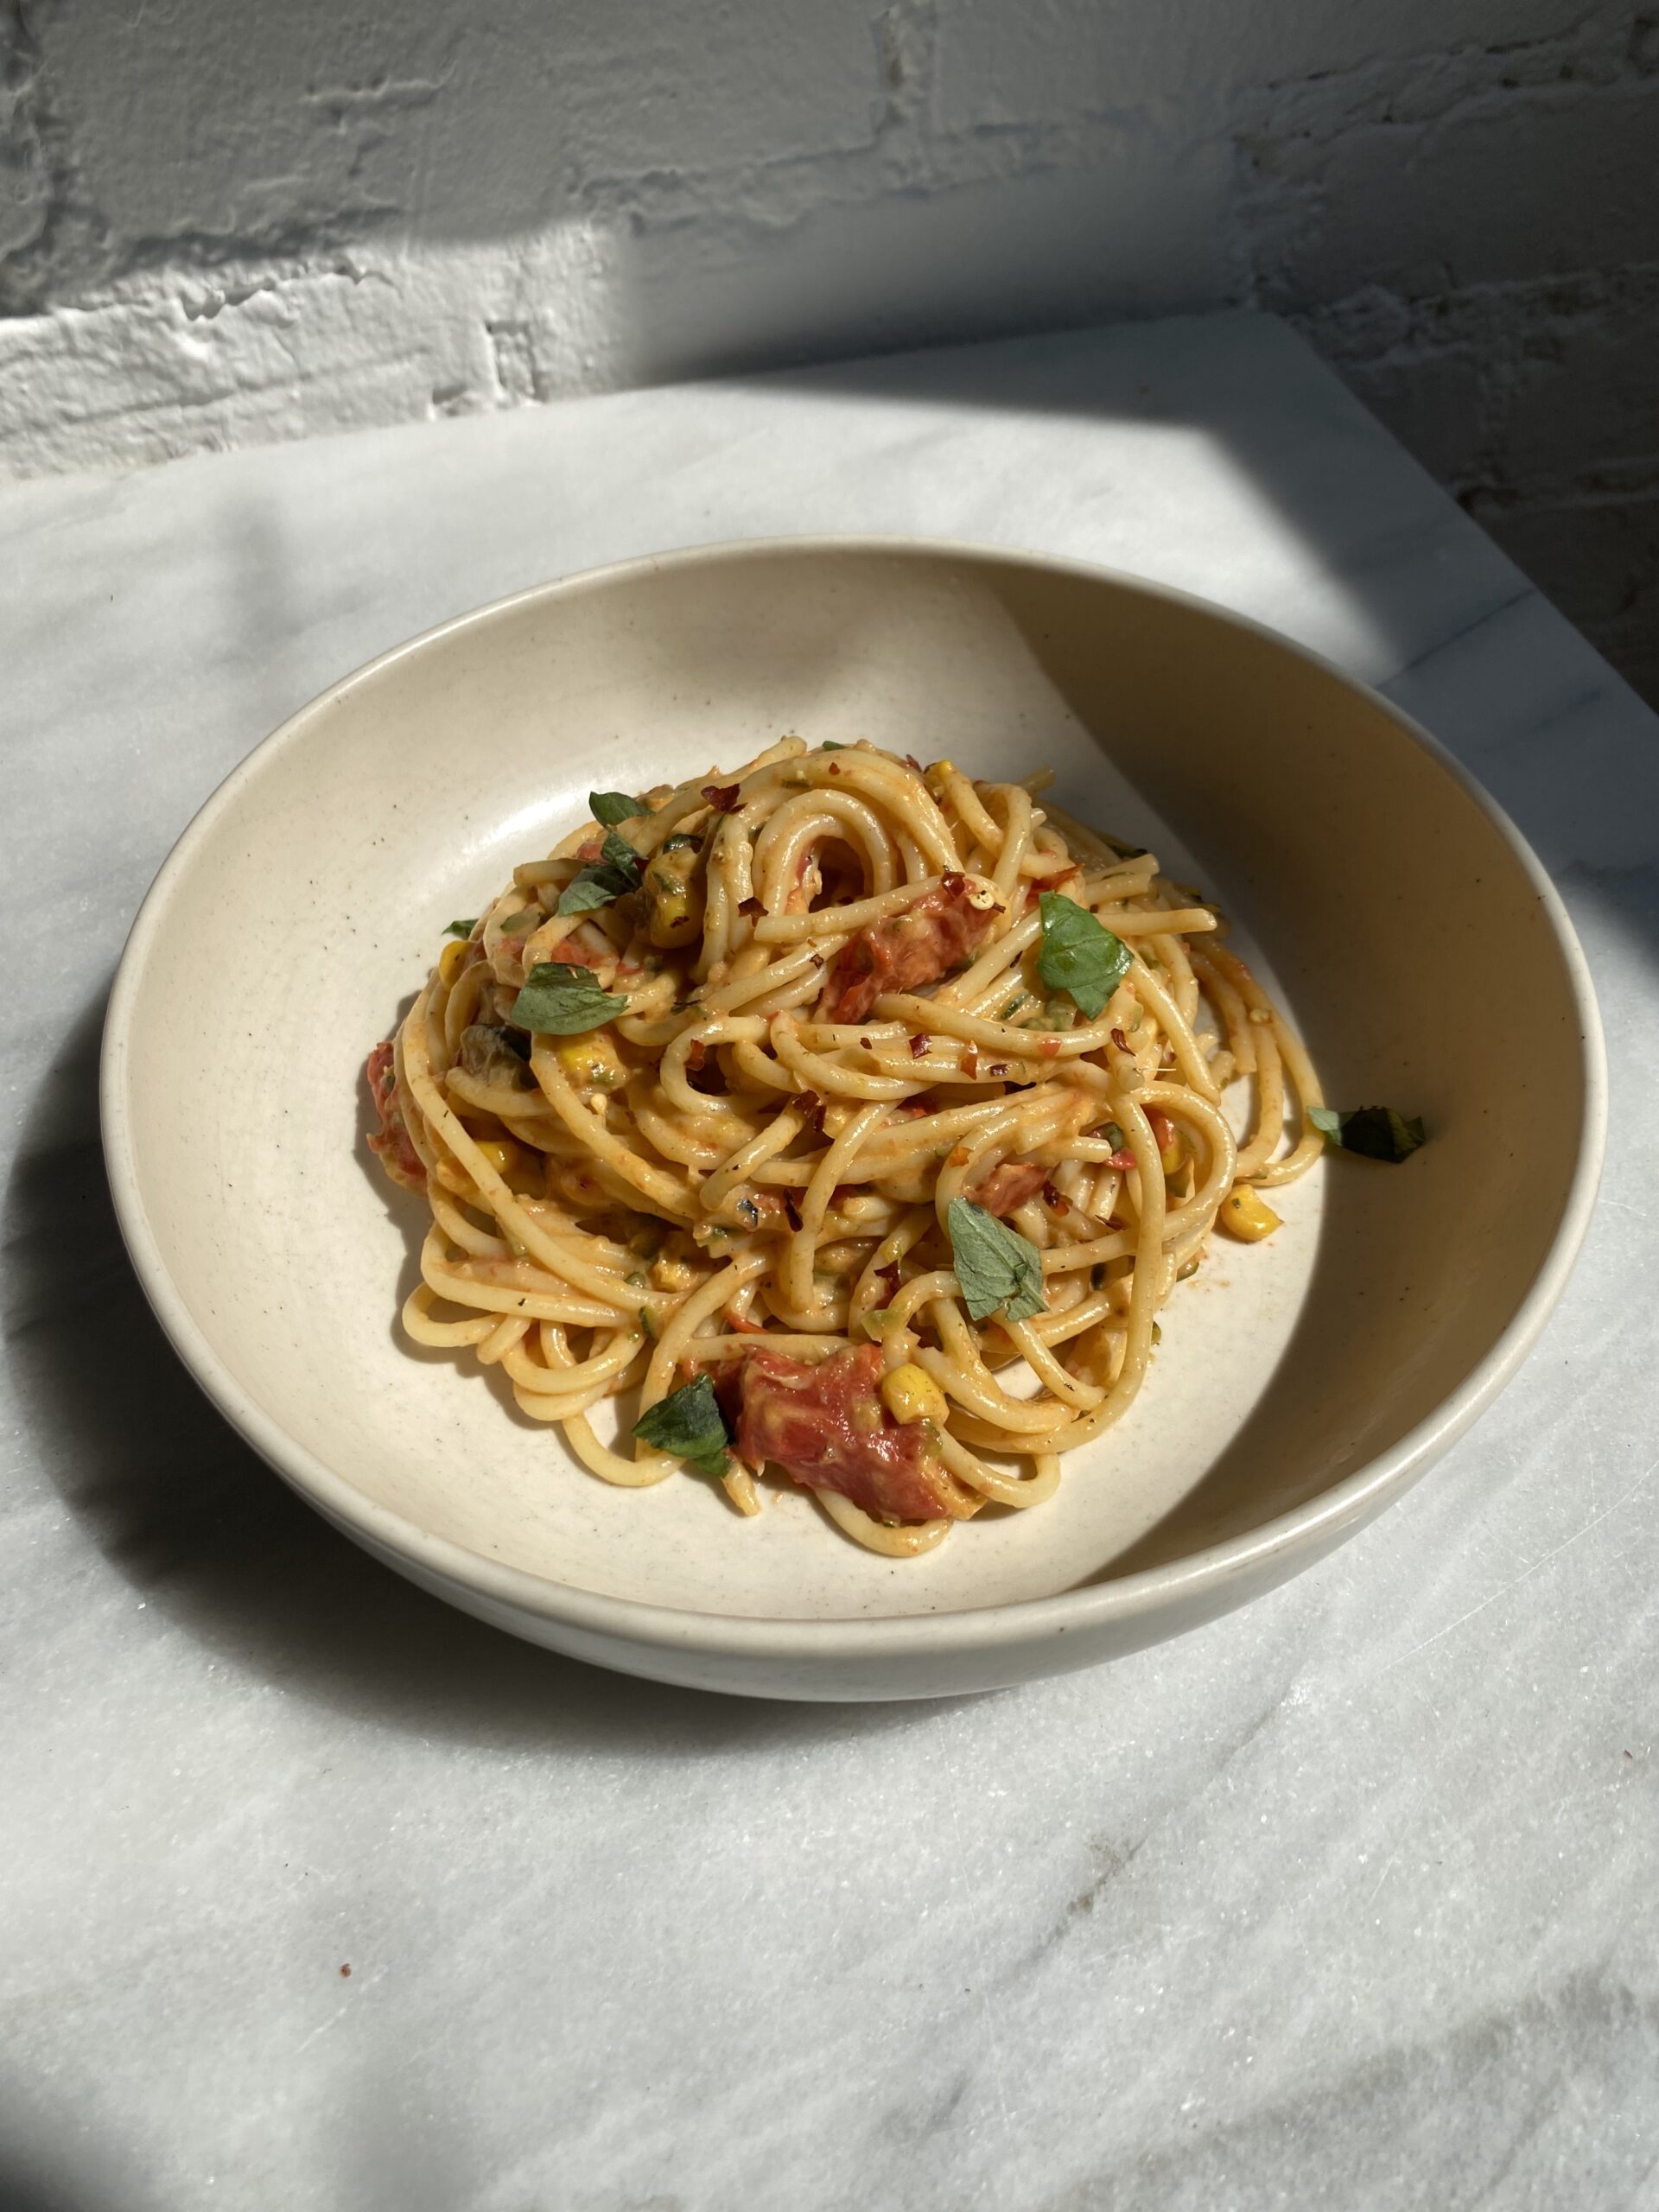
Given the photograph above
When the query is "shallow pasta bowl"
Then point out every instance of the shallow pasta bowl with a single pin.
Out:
(1301, 1384)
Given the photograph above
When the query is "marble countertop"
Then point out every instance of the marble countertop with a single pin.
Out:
(1348, 1899)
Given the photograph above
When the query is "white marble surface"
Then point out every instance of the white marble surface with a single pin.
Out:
(1346, 1900)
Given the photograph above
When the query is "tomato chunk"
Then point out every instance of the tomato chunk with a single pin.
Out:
(391, 1143)
(938, 933)
(826, 1425)
(1009, 1185)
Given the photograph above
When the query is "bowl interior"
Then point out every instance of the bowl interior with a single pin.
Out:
(1391, 913)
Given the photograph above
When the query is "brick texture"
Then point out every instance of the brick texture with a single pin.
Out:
(222, 225)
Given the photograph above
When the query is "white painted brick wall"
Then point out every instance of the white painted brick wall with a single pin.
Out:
(221, 223)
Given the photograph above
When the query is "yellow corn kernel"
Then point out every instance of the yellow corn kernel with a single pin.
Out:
(1172, 1154)
(449, 962)
(591, 1062)
(1247, 1216)
(909, 1393)
(675, 902)
(519, 1167)
(675, 1267)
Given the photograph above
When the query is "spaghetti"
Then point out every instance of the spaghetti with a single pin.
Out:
(859, 1118)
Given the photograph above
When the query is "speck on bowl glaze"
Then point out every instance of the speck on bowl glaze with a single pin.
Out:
(1301, 1384)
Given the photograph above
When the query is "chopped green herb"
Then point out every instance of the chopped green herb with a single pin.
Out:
(829, 746)
(645, 1320)
(680, 841)
(878, 1317)
(559, 1000)
(689, 1424)
(521, 924)
(601, 880)
(612, 807)
(460, 929)
(1079, 955)
(998, 1270)
(1377, 1131)
(1014, 1005)
(1114, 1136)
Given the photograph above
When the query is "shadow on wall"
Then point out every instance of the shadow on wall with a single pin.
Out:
(198, 1524)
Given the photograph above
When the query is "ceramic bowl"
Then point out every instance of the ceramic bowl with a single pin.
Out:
(1301, 1383)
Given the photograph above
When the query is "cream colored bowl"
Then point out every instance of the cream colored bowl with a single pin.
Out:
(1301, 1383)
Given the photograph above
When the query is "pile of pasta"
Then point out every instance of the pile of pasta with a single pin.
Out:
(847, 1098)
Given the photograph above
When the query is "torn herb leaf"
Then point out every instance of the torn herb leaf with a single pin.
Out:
(1079, 954)
(601, 880)
(689, 1424)
(613, 807)
(559, 1000)
(997, 1269)
(1377, 1132)
(462, 929)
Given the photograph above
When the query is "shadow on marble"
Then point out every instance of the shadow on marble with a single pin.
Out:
(203, 1529)
(35, 2179)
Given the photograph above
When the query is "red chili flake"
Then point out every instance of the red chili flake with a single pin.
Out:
(1113, 1221)
(971, 1064)
(835, 767)
(890, 1276)
(750, 906)
(696, 1054)
(723, 797)
(919, 1047)
(960, 1156)
(791, 1210)
(1056, 1200)
(817, 959)
(1033, 891)
(865, 1045)
(999, 1067)
(809, 1106)
(742, 1324)
(1120, 1040)
(346, 1972)
(954, 881)
(914, 763)
(1050, 1048)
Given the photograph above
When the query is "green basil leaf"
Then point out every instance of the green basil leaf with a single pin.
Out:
(559, 1000)
(998, 1270)
(460, 929)
(1079, 955)
(601, 880)
(1377, 1132)
(689, 1424)
(612, 807)
(829, 746)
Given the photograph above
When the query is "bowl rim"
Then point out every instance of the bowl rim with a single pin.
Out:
(1310, 1528)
